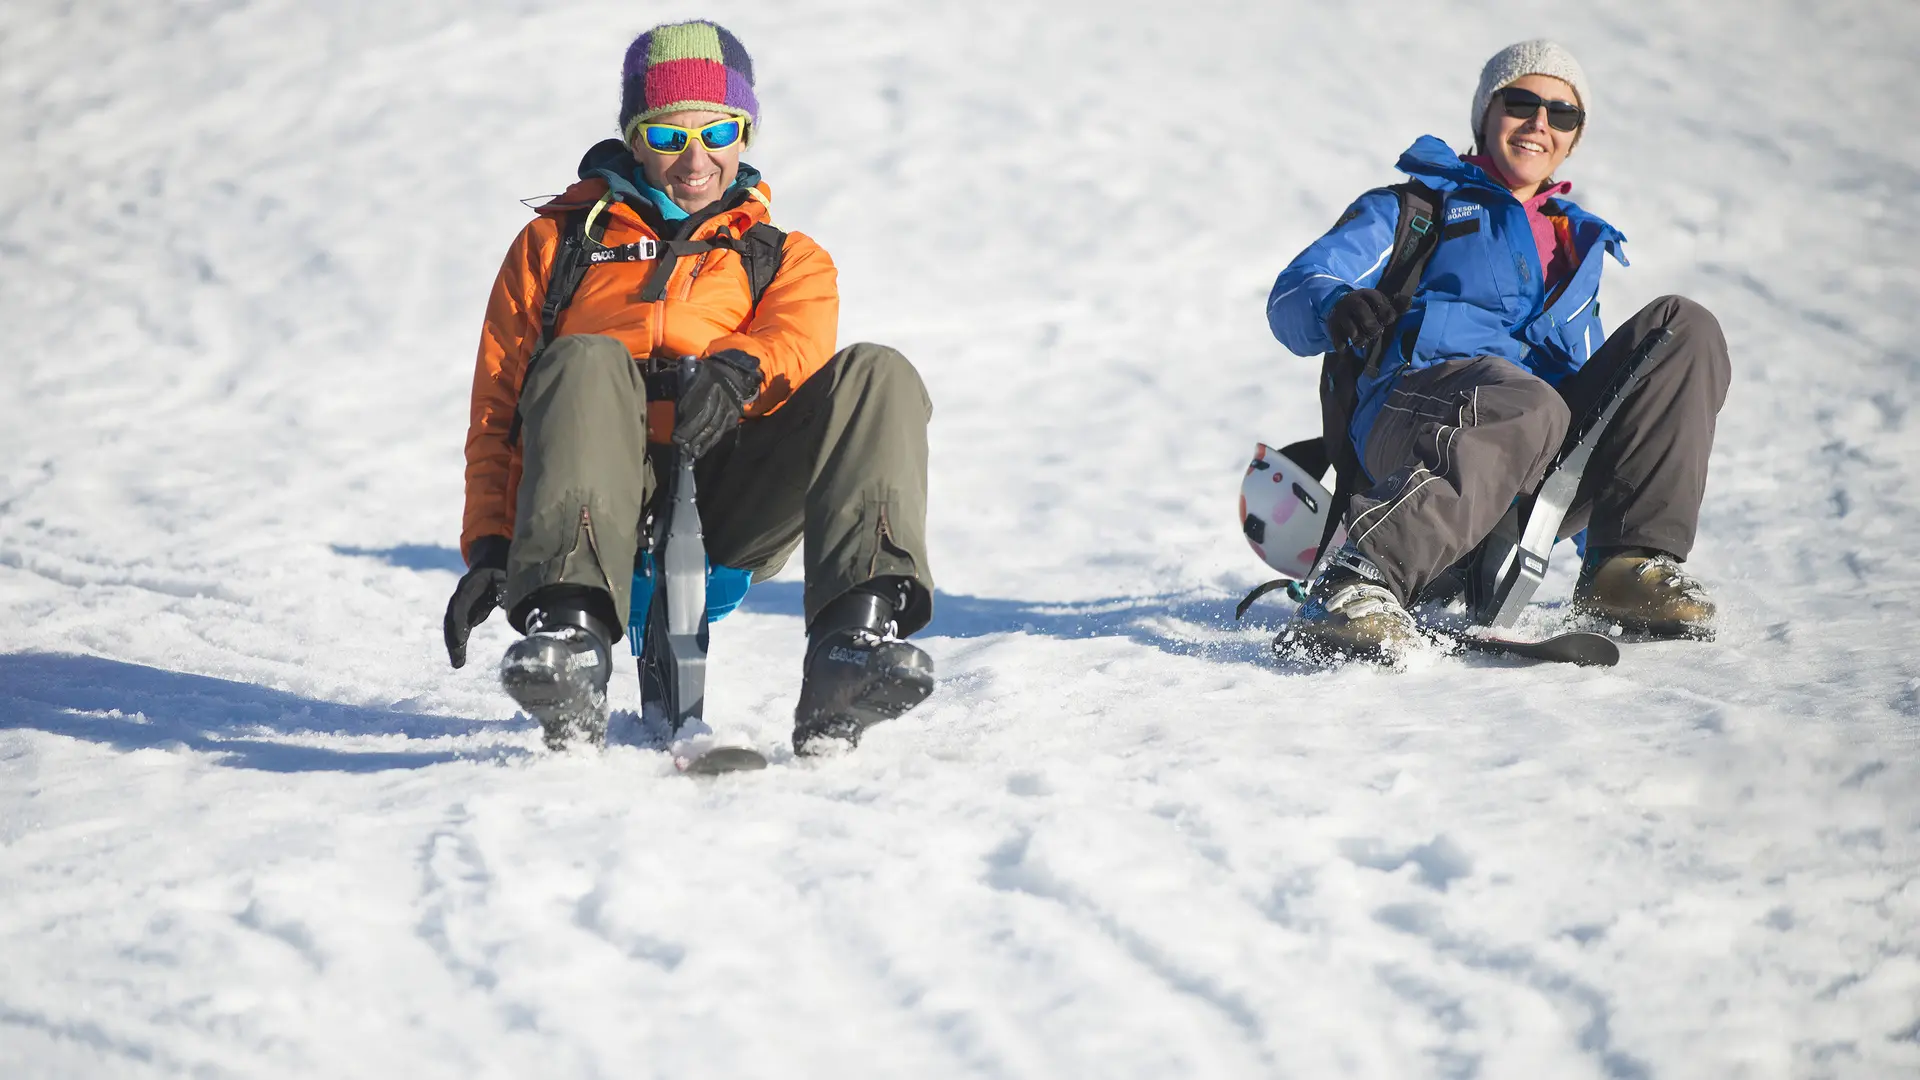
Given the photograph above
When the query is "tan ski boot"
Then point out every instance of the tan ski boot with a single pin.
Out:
(1349, 614)
(1646, 593)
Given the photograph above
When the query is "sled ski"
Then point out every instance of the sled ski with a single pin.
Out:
(1579, 647)
(722, 759)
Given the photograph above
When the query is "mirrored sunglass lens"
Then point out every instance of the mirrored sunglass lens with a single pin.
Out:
(666, 140)
(721, 135)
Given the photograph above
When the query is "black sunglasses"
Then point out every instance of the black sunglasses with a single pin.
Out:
(1525, 104)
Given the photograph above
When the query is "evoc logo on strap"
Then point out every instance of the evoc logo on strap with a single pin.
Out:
(638, 251)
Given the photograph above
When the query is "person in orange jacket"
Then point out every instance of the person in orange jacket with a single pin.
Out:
(674, 255)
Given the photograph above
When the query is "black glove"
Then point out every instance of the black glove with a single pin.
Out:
(1360, 317)
(722, 387)
(482, 589)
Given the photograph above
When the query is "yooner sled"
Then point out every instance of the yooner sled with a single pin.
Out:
(1292, 522)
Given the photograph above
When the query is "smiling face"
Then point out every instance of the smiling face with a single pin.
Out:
(1527, 151)
(696, 176)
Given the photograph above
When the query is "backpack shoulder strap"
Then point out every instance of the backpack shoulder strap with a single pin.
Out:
(761, 250)
(1415, 235)
(570, 264)
(563, 279)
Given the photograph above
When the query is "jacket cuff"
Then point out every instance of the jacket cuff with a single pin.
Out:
(742, 361)
(1325, 307)
(488, 551)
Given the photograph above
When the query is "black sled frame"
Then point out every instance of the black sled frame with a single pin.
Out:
(1499, 577)
(673, 655)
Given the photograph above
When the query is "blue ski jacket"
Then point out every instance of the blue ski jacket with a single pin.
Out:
(1482, 293)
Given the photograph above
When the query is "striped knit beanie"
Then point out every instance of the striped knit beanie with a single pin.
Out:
(689, 65)
(1515, 62)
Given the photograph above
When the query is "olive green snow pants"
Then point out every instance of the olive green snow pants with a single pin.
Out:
(842, 463)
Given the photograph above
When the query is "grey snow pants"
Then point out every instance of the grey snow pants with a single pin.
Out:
(842, 463)
(1455, 443)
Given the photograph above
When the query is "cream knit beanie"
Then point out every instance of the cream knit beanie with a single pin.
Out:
(1536, 57)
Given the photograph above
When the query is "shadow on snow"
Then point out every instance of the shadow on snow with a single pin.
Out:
(409, 556)
(136, 707)
(1181, 624)
(1167, 622)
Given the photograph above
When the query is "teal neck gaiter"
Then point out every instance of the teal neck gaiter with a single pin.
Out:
(669, 209)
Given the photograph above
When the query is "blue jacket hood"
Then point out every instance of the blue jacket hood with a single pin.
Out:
(1434, 164)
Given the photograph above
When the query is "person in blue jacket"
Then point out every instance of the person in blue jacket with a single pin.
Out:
(1483, 369)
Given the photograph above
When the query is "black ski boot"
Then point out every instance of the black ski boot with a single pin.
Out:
(856, 675)
(558, 672)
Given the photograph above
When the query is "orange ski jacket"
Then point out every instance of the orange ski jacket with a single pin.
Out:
(708, 306)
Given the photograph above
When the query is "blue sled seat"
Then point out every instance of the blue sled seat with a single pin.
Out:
(726, 587)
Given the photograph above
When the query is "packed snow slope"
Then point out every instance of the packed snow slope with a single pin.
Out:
(252, 825)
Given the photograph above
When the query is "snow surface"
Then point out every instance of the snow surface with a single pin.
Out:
(252, 825)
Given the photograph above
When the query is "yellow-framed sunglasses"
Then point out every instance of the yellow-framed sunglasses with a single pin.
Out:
(673, 139)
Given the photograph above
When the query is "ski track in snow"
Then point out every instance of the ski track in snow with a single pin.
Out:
(251, 824)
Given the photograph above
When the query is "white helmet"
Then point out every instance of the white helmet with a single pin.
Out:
(1283, 511)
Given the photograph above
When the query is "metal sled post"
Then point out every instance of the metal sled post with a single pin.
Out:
(1511, 562)
(673, 659)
